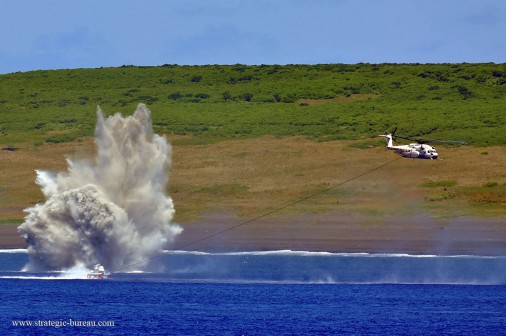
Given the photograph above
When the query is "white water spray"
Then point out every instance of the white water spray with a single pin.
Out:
(112, 211)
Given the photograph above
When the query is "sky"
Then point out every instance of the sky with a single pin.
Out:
(63, 34)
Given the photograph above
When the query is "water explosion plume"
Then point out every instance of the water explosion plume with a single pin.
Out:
(112, 211)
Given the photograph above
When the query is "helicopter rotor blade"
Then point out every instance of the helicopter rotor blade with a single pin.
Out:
(450, 142)
(392, 134)
(394, 137)
(406, 138)
(426, 141)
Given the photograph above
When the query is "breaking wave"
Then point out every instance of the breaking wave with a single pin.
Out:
(328, 254)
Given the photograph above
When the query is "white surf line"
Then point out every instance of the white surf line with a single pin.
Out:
(327, 254)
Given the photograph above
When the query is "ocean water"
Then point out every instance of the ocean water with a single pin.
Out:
(262, 293)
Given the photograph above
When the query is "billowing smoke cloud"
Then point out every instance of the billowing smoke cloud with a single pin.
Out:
(112, 211)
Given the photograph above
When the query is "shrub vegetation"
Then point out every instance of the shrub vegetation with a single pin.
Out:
(325, 101)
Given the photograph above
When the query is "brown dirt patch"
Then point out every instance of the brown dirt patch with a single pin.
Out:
(250, 177)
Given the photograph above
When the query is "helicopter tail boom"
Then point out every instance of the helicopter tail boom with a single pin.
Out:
(390, 140)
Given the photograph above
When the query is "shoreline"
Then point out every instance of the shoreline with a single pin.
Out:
(308, 253)
(349, 233)
(331, 232)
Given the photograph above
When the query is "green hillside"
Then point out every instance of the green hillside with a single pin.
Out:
(327, 102)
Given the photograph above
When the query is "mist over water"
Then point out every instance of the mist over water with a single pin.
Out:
(111, 210)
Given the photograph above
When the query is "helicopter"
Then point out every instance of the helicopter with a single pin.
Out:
(417, 150)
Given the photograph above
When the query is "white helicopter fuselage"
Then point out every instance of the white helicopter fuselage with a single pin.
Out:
(413, 150)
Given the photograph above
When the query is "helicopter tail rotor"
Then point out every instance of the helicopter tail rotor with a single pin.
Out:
(390, 141)
(390, 136)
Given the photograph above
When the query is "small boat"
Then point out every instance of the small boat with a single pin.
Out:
(99, 273)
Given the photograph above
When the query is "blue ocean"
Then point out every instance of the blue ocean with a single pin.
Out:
(261, 293)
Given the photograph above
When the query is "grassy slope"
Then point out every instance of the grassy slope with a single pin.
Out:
(458, 101)
(44, 111)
